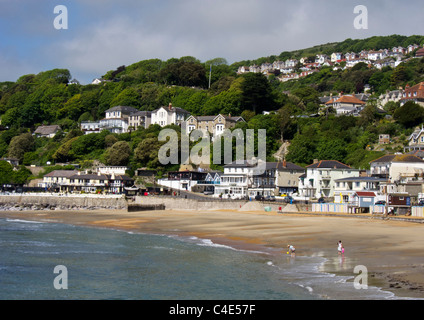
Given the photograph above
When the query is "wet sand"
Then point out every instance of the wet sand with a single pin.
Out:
(391, 251)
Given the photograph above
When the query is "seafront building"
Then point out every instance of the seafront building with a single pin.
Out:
(74, 181)
(320, 178)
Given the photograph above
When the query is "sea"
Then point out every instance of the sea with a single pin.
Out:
(54, 261)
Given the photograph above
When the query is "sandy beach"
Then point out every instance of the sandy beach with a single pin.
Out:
(391, 251)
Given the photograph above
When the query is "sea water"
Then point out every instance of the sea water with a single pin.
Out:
(111, 264)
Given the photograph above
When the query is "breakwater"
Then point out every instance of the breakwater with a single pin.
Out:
(60, 202)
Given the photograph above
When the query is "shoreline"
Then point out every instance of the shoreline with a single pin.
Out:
(390, 250)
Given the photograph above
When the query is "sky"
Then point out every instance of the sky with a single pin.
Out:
(102, 35)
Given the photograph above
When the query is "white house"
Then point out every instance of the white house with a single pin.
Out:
(346, 188)
(320, 177)
(169, 115)
(397, 167)
(243, 179)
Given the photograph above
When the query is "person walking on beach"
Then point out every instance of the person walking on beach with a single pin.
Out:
(340, 247)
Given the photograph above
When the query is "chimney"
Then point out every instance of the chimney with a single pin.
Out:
(315, 161)
(284, 163)
(170, 106)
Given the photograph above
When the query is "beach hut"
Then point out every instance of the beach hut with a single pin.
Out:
(364, 199)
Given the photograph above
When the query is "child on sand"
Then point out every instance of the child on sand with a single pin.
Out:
(340, 247)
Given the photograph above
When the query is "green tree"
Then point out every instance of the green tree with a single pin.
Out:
(257, 93)
(6, 172)
(409, 115)
(21, 144)
(118, 154)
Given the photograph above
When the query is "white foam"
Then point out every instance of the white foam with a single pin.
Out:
(23, 221)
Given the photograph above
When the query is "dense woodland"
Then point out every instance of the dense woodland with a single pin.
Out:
(53, 97)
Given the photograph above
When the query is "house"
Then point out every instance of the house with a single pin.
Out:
(399, 50)
(165, 116)
(291, 63)
(397, 167)
(394, 95)
(376, 55)
(241, 179)
(242, 69)
(416, 140)
(350, 56)
(346, 104)
(414, 93)
(139, 119)
(56, 179)
(182, 180)
(288, 175)
(346, 188)
(117, 120)
(47, 131)
(214, 125)
(321, 58)
(419, 53)
(97, 81)
(320, 177)
(97, 183)
(90, 127)
(412, 47)
(336, 57)
(77, 181)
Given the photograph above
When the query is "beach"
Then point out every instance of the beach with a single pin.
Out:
(391, 251)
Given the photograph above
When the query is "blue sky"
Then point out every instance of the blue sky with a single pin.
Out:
(105, 34)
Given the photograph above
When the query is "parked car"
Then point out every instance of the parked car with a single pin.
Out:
(321, 200)
(269, 198)
(421, 202)
(259, 197)
(380, 202)
(208, 192)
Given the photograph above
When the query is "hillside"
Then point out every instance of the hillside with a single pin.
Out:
(50, 97)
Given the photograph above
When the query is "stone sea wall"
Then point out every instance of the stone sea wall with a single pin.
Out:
(56, 202)
(20, 202)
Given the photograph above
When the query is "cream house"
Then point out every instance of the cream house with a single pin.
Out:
(169, 115)
(214, 125)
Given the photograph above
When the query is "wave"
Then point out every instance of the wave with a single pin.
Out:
(22, 221)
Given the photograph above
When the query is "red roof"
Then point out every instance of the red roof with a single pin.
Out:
(365, 194)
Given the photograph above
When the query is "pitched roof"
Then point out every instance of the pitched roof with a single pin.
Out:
(289, 166)
(46, 130)
(329, 164)
(123, 109)
(346, 99)
(417, 92)
(365, 194)
(398, 158)
(61, 173)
